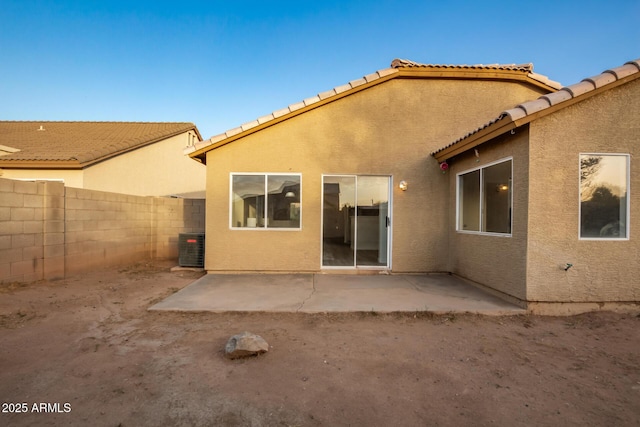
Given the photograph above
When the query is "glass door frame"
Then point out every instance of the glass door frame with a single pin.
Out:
(389, 226)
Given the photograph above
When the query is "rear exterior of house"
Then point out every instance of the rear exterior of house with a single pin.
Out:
(315, 187)
(564, 167)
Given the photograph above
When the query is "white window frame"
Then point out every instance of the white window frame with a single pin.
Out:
(482, 207)
(628, 184)
(266, 204)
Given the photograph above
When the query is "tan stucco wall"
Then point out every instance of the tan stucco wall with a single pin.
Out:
(389, 129)
(498, 262)
(159, 169)
(71, 178)
(602, 270)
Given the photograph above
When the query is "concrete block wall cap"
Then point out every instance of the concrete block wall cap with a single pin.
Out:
(249, 125)
(601, 79)
(296, 106)
(342, 88)
(311, 100)
(265, 119)
(623, 71)
(531, 107)
(516, 113)
(327, 94)
(358, 82)
(557, 97)
(580, 88)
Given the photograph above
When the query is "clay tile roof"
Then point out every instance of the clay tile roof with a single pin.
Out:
(523, 113)
(80, 142)
(401, 63)
(525, 68)
(198, 149)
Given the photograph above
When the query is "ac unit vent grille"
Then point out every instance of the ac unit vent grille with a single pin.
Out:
(191, 250)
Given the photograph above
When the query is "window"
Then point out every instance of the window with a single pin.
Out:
(604, 196)
(265, 201)
(485, 199)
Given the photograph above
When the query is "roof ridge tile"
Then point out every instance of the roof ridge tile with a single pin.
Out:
(580, 88)
(624, 70)
(557, 97)
(357, 82)
(602, 79)
(535, 105)
(311, 100)
(635, 62)
(405, 63)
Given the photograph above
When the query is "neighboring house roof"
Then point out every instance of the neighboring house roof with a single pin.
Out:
(400, 68)
(528, 111)
(75, 145)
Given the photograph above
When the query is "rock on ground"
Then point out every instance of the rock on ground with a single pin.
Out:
(244, 345)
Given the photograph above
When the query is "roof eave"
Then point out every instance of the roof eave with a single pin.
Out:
(506, 123)
(500, 127)
(42, 164)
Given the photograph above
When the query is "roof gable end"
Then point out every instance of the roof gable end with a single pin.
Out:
(400, 68)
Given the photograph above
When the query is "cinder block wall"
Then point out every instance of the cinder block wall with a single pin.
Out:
(22, 229)
(175, 216)
(106, 229)
(50, 231)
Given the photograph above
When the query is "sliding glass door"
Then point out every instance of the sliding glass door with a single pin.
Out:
(356, 221)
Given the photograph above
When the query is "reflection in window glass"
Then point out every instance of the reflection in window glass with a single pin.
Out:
(484, 199)
(604, 196)
(283, 204)
(496, 181)
(265, 201)
(469, 201)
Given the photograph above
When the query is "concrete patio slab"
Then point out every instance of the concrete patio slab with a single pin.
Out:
(318, 293)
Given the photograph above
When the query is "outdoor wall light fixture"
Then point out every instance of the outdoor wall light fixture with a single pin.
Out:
(290, 195)
(403, 185)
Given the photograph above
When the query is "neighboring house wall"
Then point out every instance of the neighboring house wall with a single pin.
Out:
(388, 129)
(602, 270)
(159, 169)
(48, 230)
(71, 178)
(499, 262)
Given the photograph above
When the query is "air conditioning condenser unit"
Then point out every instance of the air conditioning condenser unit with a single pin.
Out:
(191, 250)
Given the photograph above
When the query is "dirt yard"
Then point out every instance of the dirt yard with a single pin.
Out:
(85, 351)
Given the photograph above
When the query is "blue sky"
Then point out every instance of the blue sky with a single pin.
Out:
(220, 64)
